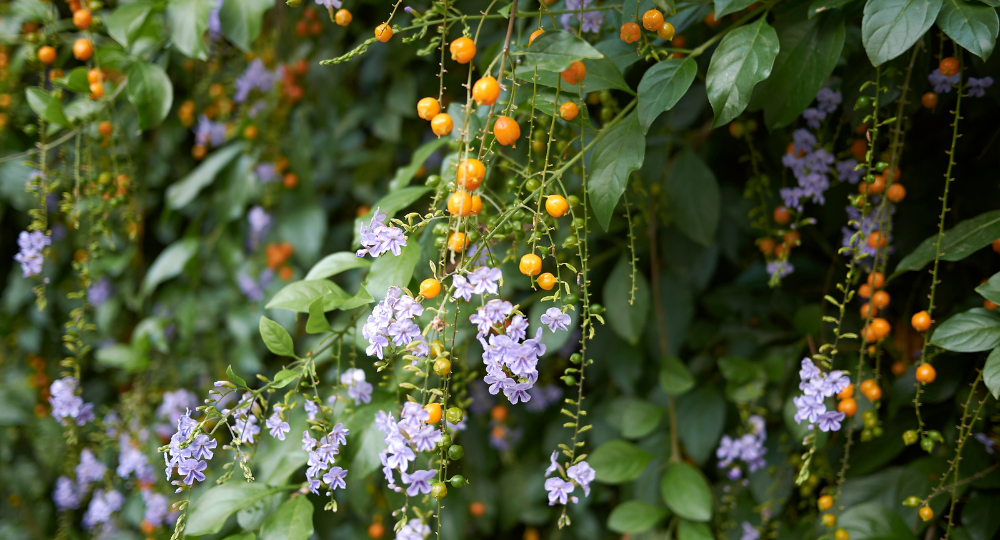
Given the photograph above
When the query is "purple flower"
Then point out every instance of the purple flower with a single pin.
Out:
(749, 532)
(250, 288)
(582, 473)
(329, 4)
(555, 319)
(425, 438)
(277, 426)
(256, 77)
(517, 392)
(977, 87)
(191, 470)
(66, 494)
(463, 289)
(414, 530)
(803, 141)
(828, 100)
(942, 84)
(157, 507)
(778, 269)
(102, 505)
(814, 117)
(201, 446)
(99, 292)
(311, 410)
(553, 463)
(260, 222)
(266, 173)
(335, 478)
(30, 256)
(209, 133)
(808, 370)
(591, 19)
(485, 280)
(987, 442)
(846, 171)
(132, 460)
(378, 238)
(214, 24)
(66, 404)
(808, 408)
(418, 482)
(558, 489)
(830, 421)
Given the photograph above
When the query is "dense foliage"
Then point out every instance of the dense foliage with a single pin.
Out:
(572, 269)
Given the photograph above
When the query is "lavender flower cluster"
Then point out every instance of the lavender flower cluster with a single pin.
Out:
(378, 238)
(322, 456)
(867, 224)
(174, 405)
(561, 487)
(132, 460)
(414, 529)
(66, 404)
(276, 424)
(591, 20)
(209, 133)
(810, 165)
(826, 102)
(749, 449)
(816, 386)
(358, 388)
(403, 439)
(30, 256)
(260, 222)
(256, 77)
(189, 452)
(392, 319)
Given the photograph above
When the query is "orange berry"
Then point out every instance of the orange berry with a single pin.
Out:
(83, 49)
(477, 509)
(5, 101)
(530, 264)
(498, 413)
(989, 304)
(458, 242)
(926, 513)
(869, 334)
(666, 31)
(290, 180)
(343, 17)
(315, 28)
(430, 287)
(441, 124)
(534, 35)
(506, 130)
(896, 193)
(105, 128)
(460, 203)
(302, 28)
(434, 410)
(995, 245)
(82, 19)
(859, 148)
(881, 327)
(568, 111)
(376, 531)
(926, 373)
(792, 238)
(766, 246)
(898, 368)
(876, 240)
(825, 502)
(477, 205)
(630, 32)
(286, 273)
(470, 173)
(867, 311)
(652, 20)
(486, 91)
(876, 280)
(428, 108)
(199, 151)
(841, 534)
(146, 527)
(556, 205)
(96, 91)
(948, 66)
(383, 32)
(47, 54)
(875, 188)
(865, 291)
(782, 215)
(711, 21)
(250, 132)
(310, 13)
(874, 393)
(547, 281)
(95, 75)
(462, 50)
(680, 42)
(880, 299)
(929, 100)
(847, 392)
(848, 406)
(575, 73)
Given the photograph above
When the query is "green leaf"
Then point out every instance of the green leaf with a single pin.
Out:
(209, 513)
(618, 153)
(809, 51)
(662, 86)
(725, 7)
(389, 205)
(821, 6)
(618, 461)
(668, 7)
(284, 377)
(689, 530)
(979, 515)
(150, 91)
(634, 517)
(675, 379)
(701, 418)
(693, 196)
(298, 296)
(991, 372)
(890, 27)
(627, 320)
(292, 521)
(686, 492)
(743, 59)
(745, 380)
(241, 20)
(640, 419)
(972, 331)
(991, 289)
(276, 338)
(971, 24)
(182, 192)
(958, 243)
(122, 357)
(188, 22)
(46, 106)
(317, 323)
(405, 174)
(126, 22)
(74, 81)
(169, 263)
(602, 73)
(555, 50)
(236, 379)
(874, 521)
(337, 263)
(389, 270)
(241, 536)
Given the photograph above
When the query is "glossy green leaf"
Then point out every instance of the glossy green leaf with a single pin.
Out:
(972, 331)
(188, 21)
(241, 536)
(404, 175)
(618, 153)
(317, 323)
(151, 92)
(618, 461)
(958, 243)
(662, 86)
(627, 319)
(822, 6)
(701, 419)
(690, 530)
(74, 81)
(284, 377)
(874, 521)
(991, 289)
(182, 192)
(241, 20)
(686, 492)
(743, 59)
(555, 50)
(980, 517)
(122, 357)
(276, 338)
(745, 380)
(971, 24)
(126, 21)
(236, 379)
(46, 106)
(602, 73)
(689, 13)
(292, 521)
(337, 263)
(991, 372)
(640, 419)
(169, 263)
(297, 296)
(809, 51)
(725, 7)
(210, 511)
(693, 197)
(675, 379)
(389, 270)
(635, 517)
(890, 27)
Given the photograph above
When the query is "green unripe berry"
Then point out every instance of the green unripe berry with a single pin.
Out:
(439, 490)
(572, 298)
(866, 435)
(538, 145)
(910, 437)
(576, 358)
(442, 366)
(863, 102)
(596, 309)
(912, 501)
(293, 3)
(456, 452)
(454, 415)
(458, 481)
(881, 166)
(445, 441)
(927, 444)
(569, 380)
(532, 184)
(877, 431)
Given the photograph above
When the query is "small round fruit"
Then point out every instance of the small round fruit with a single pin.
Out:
(876, 280)
(568, 111)
(912, 501)
(898, 368)
(439, 490)
(343, 17)
(458, 242)
(441, 124)
(990, 305)
(47, 54)
(442, 366)
(250, 132)
(95, 75)
(867, 310)
(433, 413)
(376, 531)
(859, 148)
(766, 246)
(556, 205)
(82, 19)
(454, 415)
(829, 520)
(290, 180)
(506, 130)
(782, 216)
(948, 66)
(652, 20)
(575, 73)
(477, 205)
(477, 509)
(460, 203)
(547, 281)
(458, 480)
(929, 100)
(825, 502)
(875, 188)
(876, 240)
(83, 49)
(881, 327)
(498, 413)
(463, 50)
(105, 128)
(486, 91)
(910, 437)
(841, 534)
(630, 33)
(996, 245)
(534, 35)
(848, 406)
(880, 299)
(470, 173)
(896, 193)
(383, 32)
(666, 31)
(926, 513)
(873, 393)
(430, 287)
(428, 108)
(847, 392)
(926, 373)
(530, 264)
